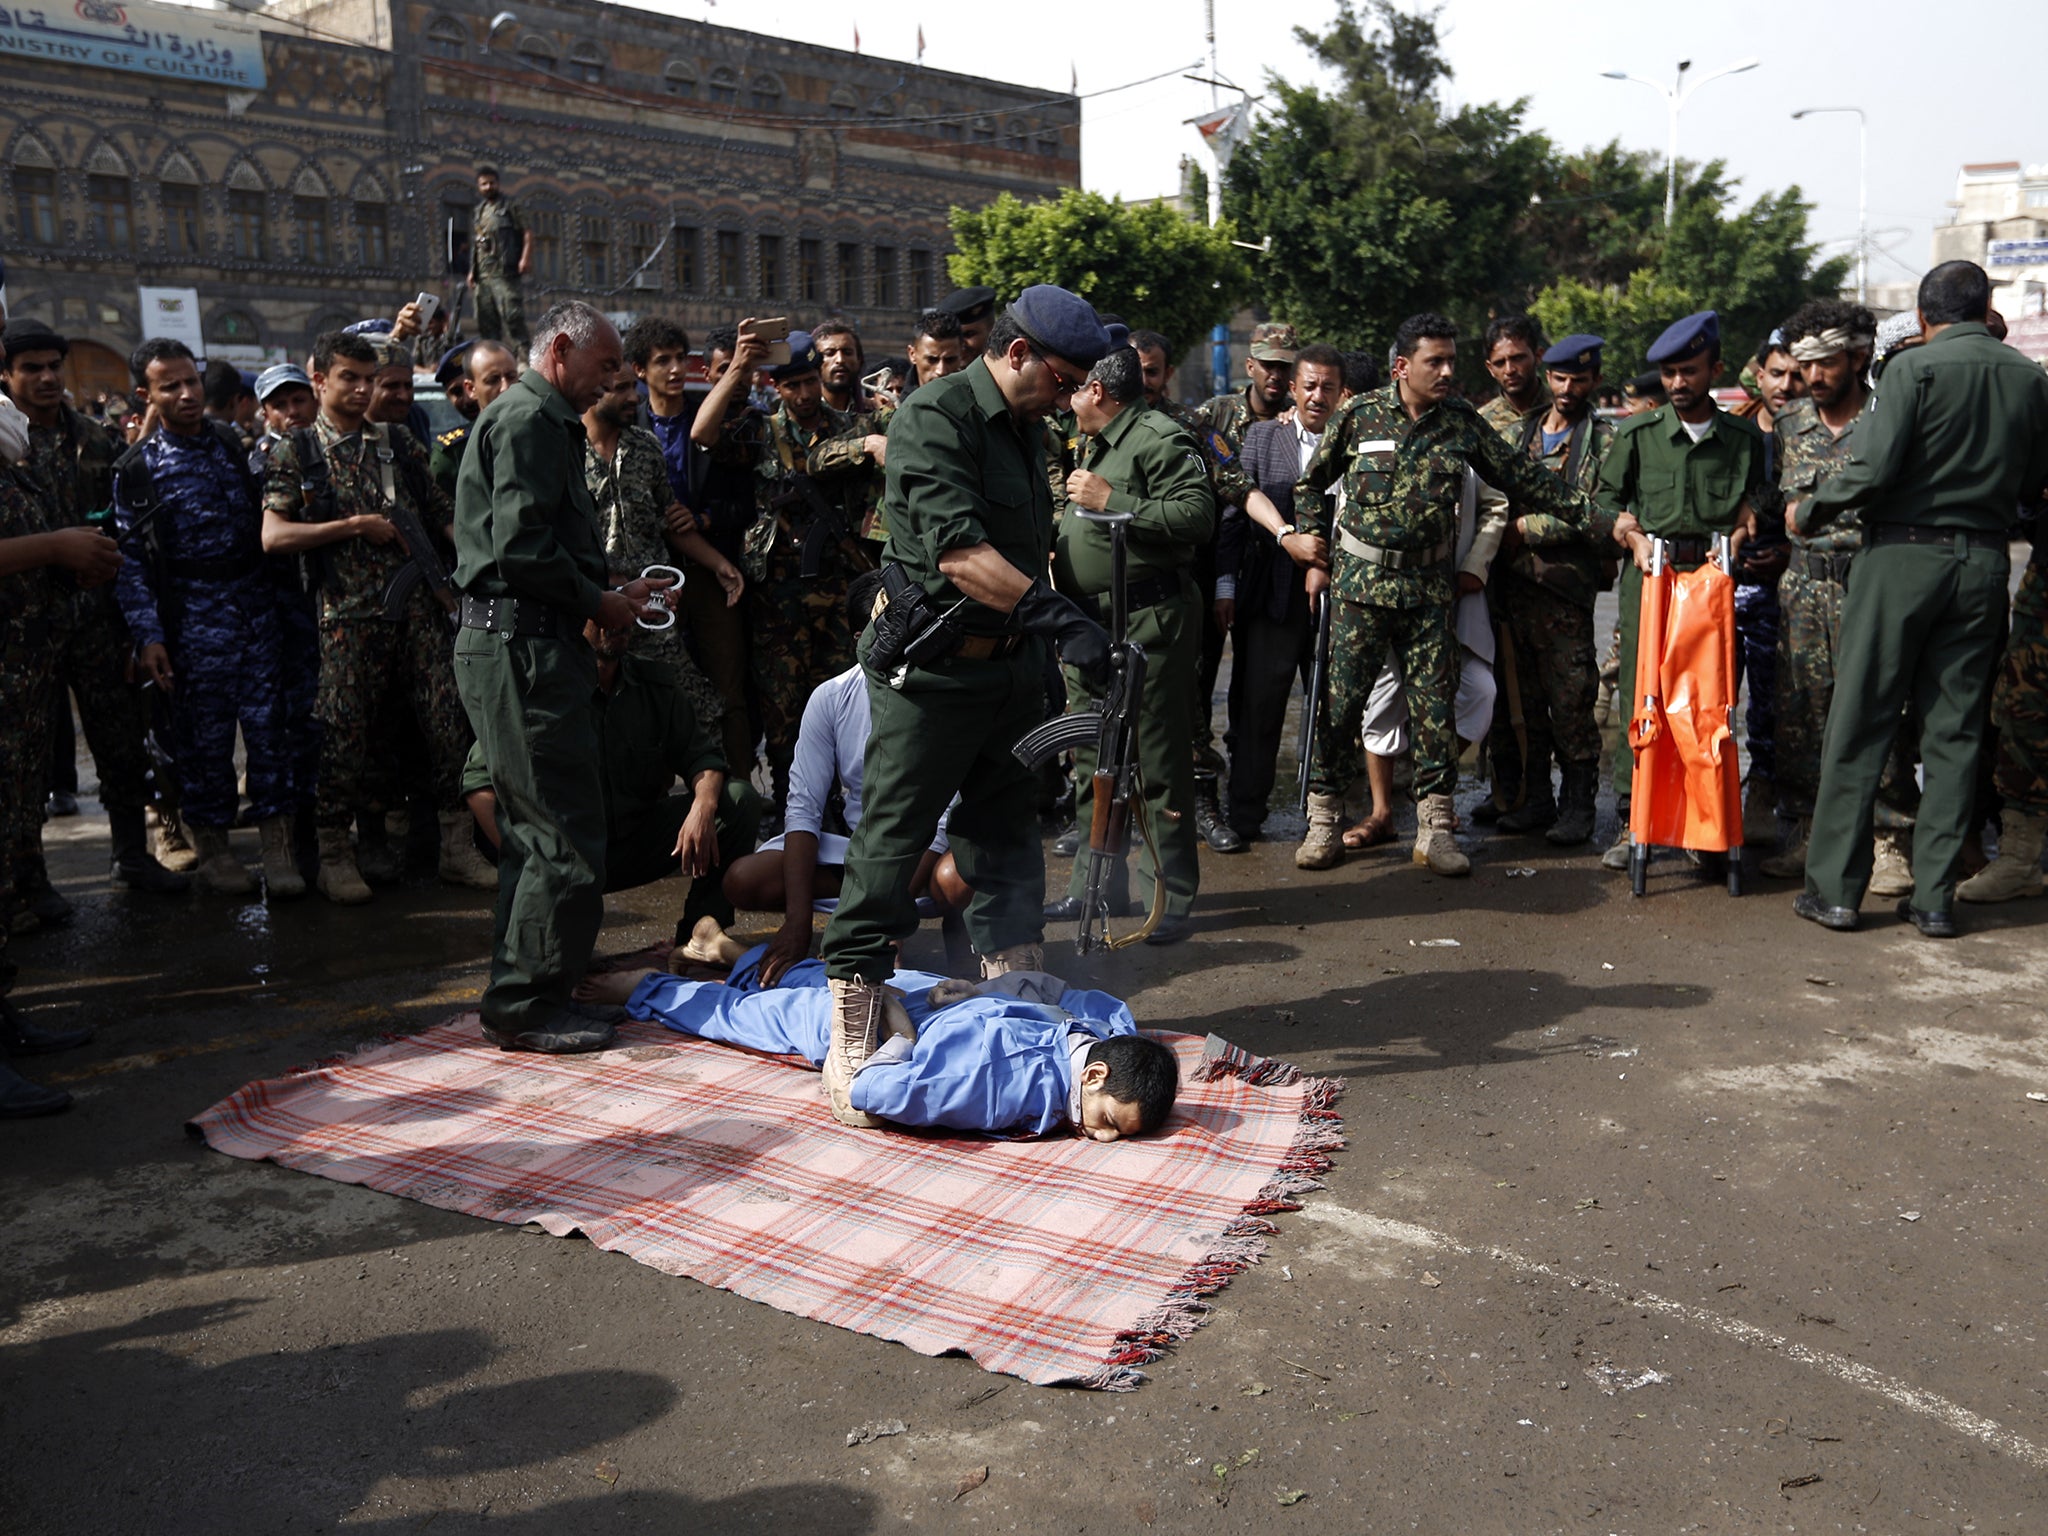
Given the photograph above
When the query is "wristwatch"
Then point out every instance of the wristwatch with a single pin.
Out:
(1285, 530)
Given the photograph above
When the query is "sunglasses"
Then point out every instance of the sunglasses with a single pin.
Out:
(1067, 385)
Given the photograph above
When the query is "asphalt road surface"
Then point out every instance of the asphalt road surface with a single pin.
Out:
(1672, 1214)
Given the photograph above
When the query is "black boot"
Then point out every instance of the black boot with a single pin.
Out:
(20, 1098)
(133, 866)
(1539, 807)
(33, 890)
(1507, 792)
(1574, 823)
(18, 1037)
(1209, 823)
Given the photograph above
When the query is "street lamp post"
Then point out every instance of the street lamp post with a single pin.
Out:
(1862, 193)
(1678, 93)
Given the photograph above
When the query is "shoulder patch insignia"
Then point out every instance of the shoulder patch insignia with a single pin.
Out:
(1219, 449)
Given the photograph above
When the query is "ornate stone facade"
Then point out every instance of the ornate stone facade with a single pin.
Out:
(664, 165)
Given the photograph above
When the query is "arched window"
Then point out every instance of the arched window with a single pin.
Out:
(178, 196)
(447, 38)
(537, 51)
(882, 106)
(312, 217)
(247, 214)
(234, 328)
(725, 85)
(35, 192)
(1018, 137)
(1048, 141)
(680, 78)
(372, 213)
(109, 201)
(916, 114)
(843, 102)
(765, 91)
(586, 63)
(983, 129)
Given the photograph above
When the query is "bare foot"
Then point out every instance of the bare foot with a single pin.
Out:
(612, 987)
(1370, 832)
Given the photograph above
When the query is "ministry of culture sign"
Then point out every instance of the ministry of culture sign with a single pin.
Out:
(173, 42)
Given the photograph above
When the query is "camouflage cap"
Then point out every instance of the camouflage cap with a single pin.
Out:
(390, 354)
(1274, 342)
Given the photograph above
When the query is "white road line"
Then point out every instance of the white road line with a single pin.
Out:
(1381, 1230)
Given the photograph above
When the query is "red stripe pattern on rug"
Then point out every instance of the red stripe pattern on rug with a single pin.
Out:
(1060, 1260)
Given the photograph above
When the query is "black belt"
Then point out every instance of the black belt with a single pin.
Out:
(216, 570)
(1145, 592)
(510, 616)
(1687, 551)
(1875, 534)
(1825, 564)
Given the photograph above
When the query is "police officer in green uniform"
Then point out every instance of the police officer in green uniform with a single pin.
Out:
(532, 572)
(1684, 473)
(1139, 461)
(1954, 442)
(970, 535)
(500, 254)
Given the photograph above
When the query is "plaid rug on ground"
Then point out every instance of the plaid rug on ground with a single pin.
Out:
(1061, 1260)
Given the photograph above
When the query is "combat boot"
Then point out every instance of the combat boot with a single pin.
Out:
(461, 864)
(1617, 855)
(132, 865)
(40, 898)
(281, 877)
(858, 1007)
(1759, 809)
(1537, 811)
(2017, 869)
(1323, 846)
(174, 849)
(1574, 824)
(1210, 826)
(378, 859)
(219, 871)
(1435, 847)
(339, 879)
(1018, 957)
(1891, 871)
(1789, 862)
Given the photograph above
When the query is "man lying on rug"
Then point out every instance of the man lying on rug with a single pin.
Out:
(1020, 1054)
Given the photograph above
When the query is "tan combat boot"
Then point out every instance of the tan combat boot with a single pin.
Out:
(218, 870)
(1323, 846)
(461, 864)
(281, 877)
(1435, 847)
(1018, 957)
(1789, 863)
(1891, 871)
(2017, 869)
(859, 1011)
(173, 849)
(339, 879)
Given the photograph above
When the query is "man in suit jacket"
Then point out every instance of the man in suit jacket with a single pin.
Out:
(1261, 585)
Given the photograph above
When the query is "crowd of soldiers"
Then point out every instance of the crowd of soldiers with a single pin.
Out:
(486, 626)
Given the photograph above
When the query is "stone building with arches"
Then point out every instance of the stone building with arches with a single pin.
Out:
(664, 165)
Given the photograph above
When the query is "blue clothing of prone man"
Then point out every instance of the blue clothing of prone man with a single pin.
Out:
(1019, 1055)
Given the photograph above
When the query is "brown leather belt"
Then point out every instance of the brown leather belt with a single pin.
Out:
(987, 647)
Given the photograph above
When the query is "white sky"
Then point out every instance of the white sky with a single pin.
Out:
(1864, 54)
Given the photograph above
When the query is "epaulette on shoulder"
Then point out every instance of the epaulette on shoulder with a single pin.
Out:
(452, 436)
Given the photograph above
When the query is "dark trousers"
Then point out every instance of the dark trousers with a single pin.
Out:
(529, 698)
(1266, 655)
(642, 851)
(1922, 625)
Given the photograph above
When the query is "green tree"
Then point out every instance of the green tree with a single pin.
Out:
(1146, 262)
(1627, 316)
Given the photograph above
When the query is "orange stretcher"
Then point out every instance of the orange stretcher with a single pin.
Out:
(1686, 784)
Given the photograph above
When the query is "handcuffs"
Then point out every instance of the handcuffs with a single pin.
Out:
(661, 600)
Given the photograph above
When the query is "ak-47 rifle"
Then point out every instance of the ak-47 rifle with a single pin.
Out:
(423, 562)
(1312, 706)
(827, 525)
(1110, 725)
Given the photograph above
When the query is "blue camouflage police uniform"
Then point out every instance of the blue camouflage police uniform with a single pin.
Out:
(211, 603)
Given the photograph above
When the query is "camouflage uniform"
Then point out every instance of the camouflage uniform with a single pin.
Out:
(800, 632)
(1810, 597)
(842, 462)
(213, 608)
(1501, 415)
(494, 262)
(632, 493)
(2019, 703)
(1402, 482)
(1544, 586)
(73, 465)
(32, 608)
(363, 654)
(445, 461)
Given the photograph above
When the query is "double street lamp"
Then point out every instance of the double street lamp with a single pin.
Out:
(1862, 193)
(1677, 93)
